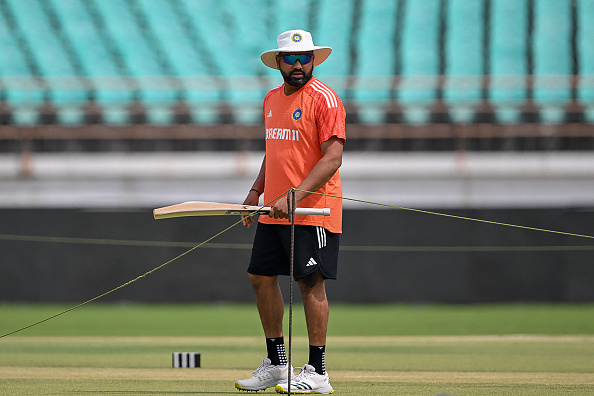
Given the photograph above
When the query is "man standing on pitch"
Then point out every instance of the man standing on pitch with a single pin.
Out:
(305, 134)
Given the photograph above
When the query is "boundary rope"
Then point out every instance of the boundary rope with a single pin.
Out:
(360, 248)
(452, 216)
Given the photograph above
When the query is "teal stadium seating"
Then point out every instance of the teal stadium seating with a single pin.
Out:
(375, 60)
(136, 56)
(410, 52)
(22, 97)
(586, 33)
(420, 56)
(508, 58)
(464, 54)
(335, 32)
(552, 57)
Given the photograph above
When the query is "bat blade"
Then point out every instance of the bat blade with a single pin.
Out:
(197, 208)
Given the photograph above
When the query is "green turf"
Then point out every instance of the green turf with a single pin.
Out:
(424, 350)
(242, 319)
(214, 388)
(426, 365)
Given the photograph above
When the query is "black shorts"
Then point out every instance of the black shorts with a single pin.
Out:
(315, 249)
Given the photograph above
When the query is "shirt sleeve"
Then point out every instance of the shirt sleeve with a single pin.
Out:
(330, 120)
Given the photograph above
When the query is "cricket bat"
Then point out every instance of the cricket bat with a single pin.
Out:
(196, 208)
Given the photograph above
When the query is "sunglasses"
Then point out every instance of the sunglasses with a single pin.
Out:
(304, 59)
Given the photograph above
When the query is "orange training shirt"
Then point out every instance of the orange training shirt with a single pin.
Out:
(296, 126)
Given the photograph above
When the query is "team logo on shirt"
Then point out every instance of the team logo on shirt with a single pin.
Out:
(296, 37)
(282, 134)
(297, 114)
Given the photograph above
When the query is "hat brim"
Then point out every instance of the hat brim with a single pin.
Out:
(320, 55)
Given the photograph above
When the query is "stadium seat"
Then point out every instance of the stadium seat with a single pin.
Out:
(292, 15)
(420, 58)
(508, 58)
(170, 37)
(23, 96)
(552, 58)
(131, 43)
(464, 57)
(50, 58)
(11, 58)
(86, 40)
(138, 58)
(214, 35)
(375, 60)
(335, 33)
(586, 32)
(46, 49)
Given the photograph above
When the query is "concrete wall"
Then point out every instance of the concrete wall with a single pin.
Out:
(387, 256)
(417, 179)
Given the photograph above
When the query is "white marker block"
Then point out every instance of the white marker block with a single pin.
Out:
(186, 359)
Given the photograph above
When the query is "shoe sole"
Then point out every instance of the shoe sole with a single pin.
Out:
(279, 389)
(241, 388)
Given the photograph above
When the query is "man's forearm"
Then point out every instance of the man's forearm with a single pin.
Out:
(318, 177)
(261, 178)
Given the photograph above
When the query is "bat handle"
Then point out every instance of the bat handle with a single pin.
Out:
(313, 211)
(306, 211)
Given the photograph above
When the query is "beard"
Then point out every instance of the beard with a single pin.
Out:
(297, 82)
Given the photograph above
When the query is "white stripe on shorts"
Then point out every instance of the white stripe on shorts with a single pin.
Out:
(321, 237)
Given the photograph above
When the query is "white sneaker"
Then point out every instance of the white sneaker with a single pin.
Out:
(307, 381)
(265, 376)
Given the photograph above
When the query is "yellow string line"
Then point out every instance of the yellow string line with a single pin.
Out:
(452, 216)
(247, 246)
(122, 285)
(93, 241)
(251, 214)
(121, 242)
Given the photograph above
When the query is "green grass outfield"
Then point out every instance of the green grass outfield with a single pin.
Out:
(474, 350)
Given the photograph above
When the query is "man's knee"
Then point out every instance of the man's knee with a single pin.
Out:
(312, 280)
(261, 280)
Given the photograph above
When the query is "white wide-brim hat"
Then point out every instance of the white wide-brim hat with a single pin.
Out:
(295, 41)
